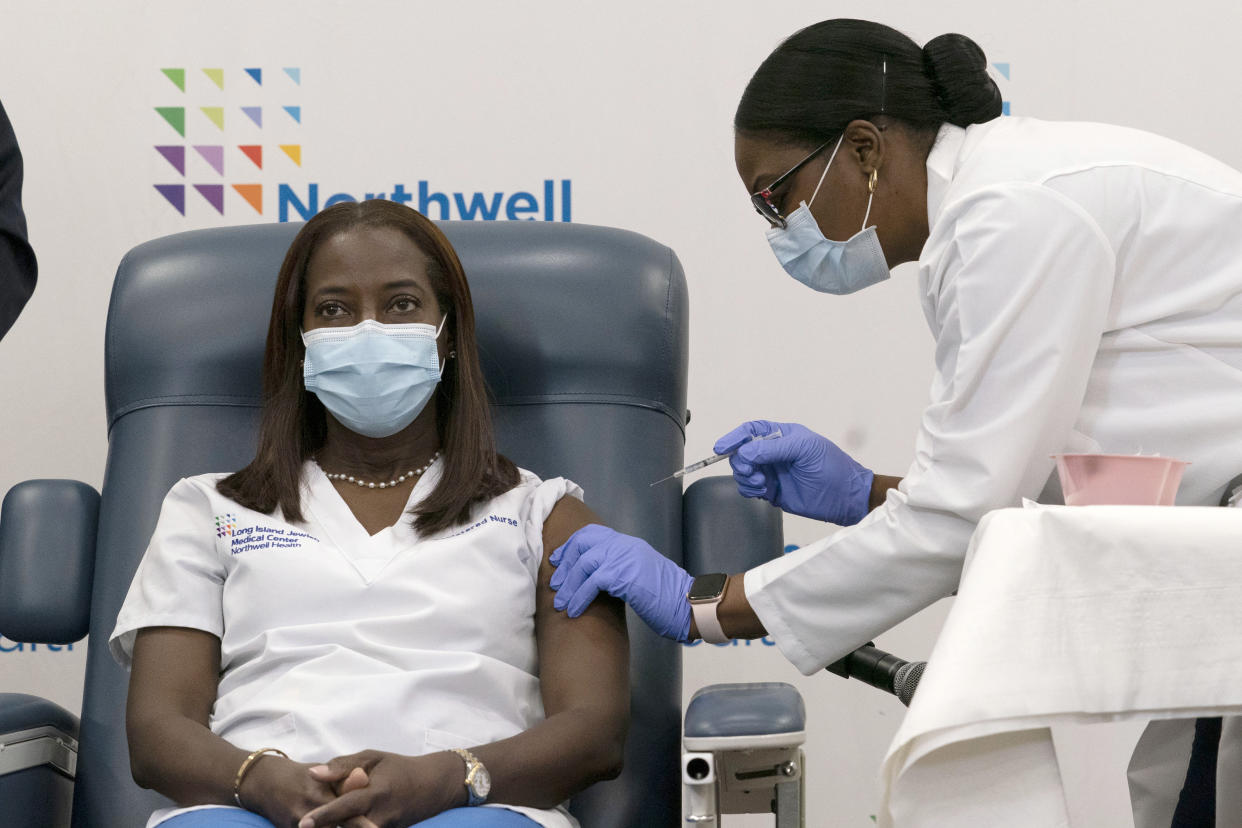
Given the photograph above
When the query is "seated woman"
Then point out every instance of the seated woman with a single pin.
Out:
(356, 629)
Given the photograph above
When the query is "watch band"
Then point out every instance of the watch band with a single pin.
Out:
(476, 773)
(707, 621)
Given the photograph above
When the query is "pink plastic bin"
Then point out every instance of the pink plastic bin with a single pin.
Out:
(1119, 479)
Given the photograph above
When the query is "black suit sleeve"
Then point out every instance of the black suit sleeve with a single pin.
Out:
(18, 269)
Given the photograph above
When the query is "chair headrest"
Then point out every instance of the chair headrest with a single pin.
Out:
(565, 312)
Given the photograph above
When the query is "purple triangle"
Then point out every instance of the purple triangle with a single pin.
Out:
(255, 113)
(175, 193)
(174, 155)
(213, 155)
(214, 193)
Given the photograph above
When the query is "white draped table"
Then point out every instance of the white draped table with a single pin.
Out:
(1069, 615)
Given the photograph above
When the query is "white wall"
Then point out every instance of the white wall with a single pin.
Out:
(632, 103)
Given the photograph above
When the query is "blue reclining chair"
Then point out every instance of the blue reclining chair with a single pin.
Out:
(583, 333)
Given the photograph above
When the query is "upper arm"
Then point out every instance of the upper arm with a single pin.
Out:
(175, 673)
(583, 661)
(180, 580)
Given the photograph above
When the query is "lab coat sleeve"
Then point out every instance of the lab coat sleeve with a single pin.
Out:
(180, 581)
(1022, 292)
(541, 498)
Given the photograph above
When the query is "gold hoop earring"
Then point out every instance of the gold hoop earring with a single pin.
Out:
(875, 177)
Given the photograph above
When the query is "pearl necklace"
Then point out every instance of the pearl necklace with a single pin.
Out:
(349, 478)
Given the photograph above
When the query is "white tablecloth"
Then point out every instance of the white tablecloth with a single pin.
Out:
(1067, 615)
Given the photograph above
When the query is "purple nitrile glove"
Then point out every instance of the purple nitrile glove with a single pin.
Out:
(597, 559)
(800, 471)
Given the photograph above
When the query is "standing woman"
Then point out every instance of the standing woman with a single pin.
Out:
(1084, 286)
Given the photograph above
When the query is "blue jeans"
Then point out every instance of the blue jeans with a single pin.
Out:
(456, 818)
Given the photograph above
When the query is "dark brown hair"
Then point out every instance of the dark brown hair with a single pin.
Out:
(292, 428)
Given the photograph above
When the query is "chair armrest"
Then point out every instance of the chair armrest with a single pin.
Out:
(19, 711)
(34, 732)
(38, 762)
(47, 560)
(725, 532)
(745, 717)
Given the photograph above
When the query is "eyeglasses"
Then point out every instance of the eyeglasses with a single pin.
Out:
(762, 200)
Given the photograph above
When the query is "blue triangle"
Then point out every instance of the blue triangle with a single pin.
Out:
(1003, 68)
(257, 74)
(254, 113)
(295, 112)
(295, 73)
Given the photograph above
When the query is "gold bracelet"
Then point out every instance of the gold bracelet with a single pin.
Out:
(246, 764)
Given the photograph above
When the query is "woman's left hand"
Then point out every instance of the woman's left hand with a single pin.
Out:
(399, 790)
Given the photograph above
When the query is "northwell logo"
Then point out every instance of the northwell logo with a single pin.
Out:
(239, 132)
(222, 145)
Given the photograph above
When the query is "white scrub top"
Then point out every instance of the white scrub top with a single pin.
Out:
(1084, 286)
(334, 641)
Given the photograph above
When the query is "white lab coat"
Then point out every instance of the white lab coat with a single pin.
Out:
(1084, 286)
(334, 641)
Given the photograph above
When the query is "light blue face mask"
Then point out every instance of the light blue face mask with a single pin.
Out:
(822, 264)
(373, 378)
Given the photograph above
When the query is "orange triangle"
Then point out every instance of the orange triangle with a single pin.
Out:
(253, 193)
(294, 151)
(254, 152)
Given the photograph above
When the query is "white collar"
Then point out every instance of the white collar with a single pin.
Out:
(942, 163)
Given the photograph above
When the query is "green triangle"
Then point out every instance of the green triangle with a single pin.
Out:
(216, 75)
(175, 115)
(177, 76)
(216, 114)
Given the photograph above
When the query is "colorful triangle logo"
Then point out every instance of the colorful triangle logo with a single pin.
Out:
(177, 76)
(216, 76)
(214, 193)
(175, 116)
(295, 74)
(254, 152)
(175, 193)
(215, 114)
(174, 155)
(1003, 68)
(213, 155)
(254, 113)
(253, 193)
(295, 112)
(294, 151)
(257, 74)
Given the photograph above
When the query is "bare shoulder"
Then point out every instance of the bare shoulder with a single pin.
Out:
(568, 516)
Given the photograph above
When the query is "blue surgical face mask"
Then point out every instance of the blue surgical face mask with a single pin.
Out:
(373, 378)
(822, 264)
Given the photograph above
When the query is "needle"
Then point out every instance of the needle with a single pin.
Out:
(715, 458)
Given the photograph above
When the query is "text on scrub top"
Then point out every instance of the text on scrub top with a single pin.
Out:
(507, 521)
(251, 538)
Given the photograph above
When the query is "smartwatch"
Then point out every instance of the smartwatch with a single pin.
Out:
(705, 595)
(478, 780)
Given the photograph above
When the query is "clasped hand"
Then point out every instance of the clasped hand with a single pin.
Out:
(369, 789)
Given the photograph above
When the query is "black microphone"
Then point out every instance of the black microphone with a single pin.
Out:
(882, 670)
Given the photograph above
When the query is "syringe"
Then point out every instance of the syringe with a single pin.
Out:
(715, 458)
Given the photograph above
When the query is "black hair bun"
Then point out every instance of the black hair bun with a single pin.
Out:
(958, 71)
